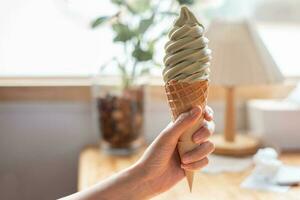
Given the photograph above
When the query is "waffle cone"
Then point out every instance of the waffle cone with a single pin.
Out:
(182, 96)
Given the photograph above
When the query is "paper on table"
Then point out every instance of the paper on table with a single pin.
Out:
(270, 173)
(251, 182)
(218, 164)
(288, 175)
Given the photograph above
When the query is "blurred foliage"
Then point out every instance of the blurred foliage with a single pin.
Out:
(142, 54)
(99, 21)
(187, 2)
(139, 6)
(145, 24)
(130, 26)
(118, 2)
(123, 32)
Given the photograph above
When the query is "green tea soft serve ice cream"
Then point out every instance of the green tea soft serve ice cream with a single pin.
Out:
(186, 73)
(187, 55)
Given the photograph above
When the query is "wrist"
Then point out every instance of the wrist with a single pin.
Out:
(137, 180)
(126, 184)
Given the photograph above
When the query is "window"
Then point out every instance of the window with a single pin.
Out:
(283, 43)
(53, 38)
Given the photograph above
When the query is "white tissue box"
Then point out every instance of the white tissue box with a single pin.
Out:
(275, 122)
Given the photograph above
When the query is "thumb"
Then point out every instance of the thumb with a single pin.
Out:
(181, 124)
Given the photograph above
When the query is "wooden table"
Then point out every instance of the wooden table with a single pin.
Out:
(94, 166)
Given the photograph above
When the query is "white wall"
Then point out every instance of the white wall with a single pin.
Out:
(39, 146)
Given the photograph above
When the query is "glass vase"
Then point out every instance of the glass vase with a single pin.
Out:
(120, 118)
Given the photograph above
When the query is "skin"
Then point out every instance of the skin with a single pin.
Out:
(160, 167)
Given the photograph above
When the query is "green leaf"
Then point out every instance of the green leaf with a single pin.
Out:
(123, 33)
(170, 13)
(145, 24)
(118, 2)
(142, 55)
(129, 7)
(99, 21)
(139, 5)
(187, 2)
(151, 45)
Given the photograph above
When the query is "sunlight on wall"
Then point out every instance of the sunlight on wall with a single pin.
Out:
(46, 38)
(283, 42)
(53, 38)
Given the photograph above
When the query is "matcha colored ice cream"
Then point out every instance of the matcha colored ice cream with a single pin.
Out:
(187, 55)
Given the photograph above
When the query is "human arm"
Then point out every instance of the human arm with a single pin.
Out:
(160, 166)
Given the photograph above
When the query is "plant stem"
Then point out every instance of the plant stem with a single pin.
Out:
(133, 71)
(125, 77)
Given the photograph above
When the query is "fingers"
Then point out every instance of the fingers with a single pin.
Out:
(202, 134)
(208, 113)
(197, 158)
(195, 165)
(185, 121)
(182, 123)
(198, 153)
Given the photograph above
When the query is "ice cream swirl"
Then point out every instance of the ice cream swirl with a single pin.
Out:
(187, 54)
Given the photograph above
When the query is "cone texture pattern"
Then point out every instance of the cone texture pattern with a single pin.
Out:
(182, 96)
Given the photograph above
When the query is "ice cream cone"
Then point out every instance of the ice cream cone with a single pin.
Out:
(182, 96)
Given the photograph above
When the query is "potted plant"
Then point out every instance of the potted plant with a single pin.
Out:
(137, 28)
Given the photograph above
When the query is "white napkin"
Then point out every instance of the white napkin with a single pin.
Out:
(251, 182)
(288, 175)
(270, 174)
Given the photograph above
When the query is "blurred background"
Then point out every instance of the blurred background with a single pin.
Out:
(69, 66)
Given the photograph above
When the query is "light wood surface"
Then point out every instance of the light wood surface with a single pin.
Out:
(243, 145)
(230, 115)
(95, 166)
(45, 93)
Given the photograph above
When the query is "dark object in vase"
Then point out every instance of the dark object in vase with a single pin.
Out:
(121, 117)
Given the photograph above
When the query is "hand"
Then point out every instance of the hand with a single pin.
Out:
(161, 165)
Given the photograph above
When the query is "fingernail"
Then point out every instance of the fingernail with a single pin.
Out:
(185, 159)
(182, 166)
(210, 110)
(195, 111)
(210, 115)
